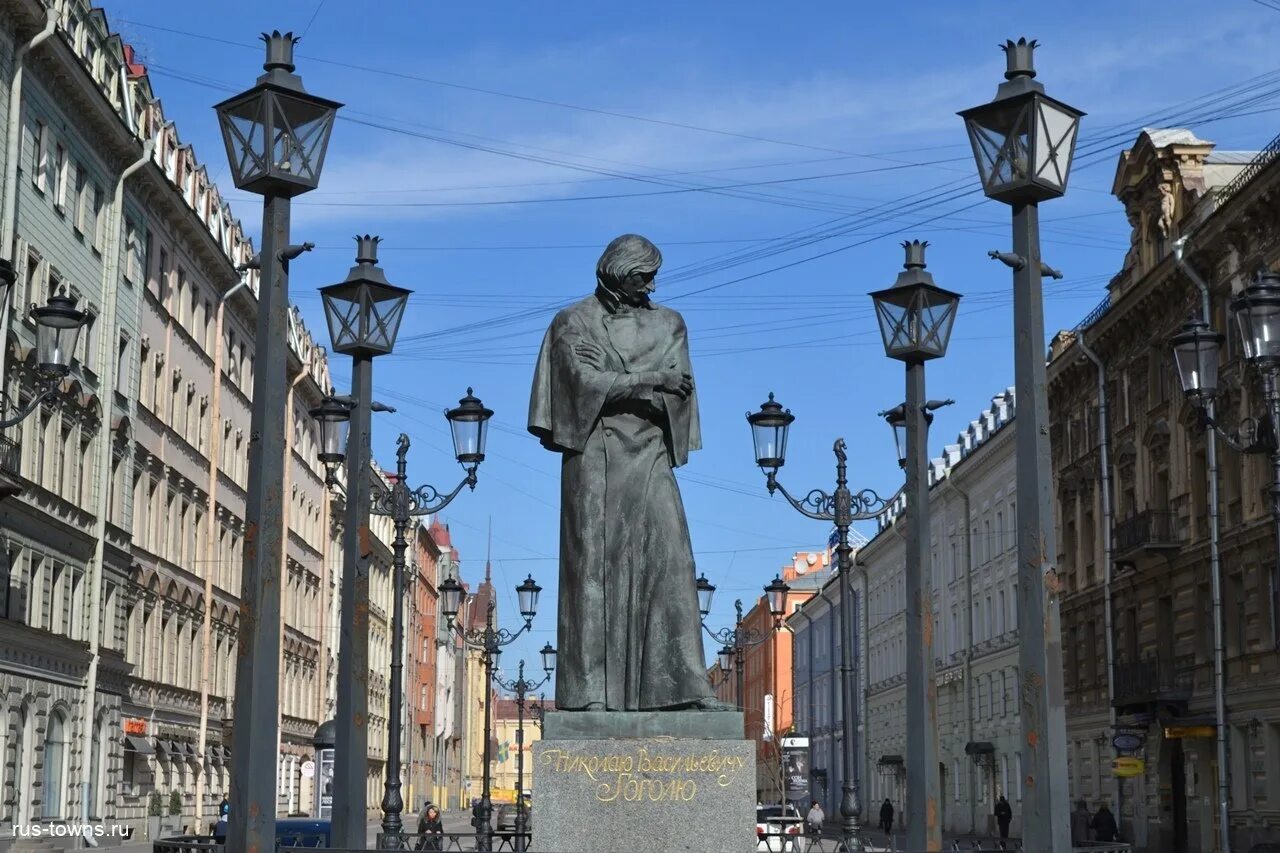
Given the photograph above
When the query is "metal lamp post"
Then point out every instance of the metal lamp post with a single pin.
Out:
(521, 687)
(738, 639)
(1023, 142)
(489, 640)
(769, 429)
(58, 325)
(276, 135)
(916, 317)
(402, 504)
(1196, 354)
(363, 313)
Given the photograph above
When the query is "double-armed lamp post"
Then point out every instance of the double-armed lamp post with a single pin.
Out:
(490, 641)
(521, 687)
(736, 640)
(276, 135)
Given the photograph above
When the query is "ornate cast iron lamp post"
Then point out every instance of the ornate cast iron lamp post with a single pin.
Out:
(402, 504)
(916, 317)
(1023, 142)
(521, 687)
(276, 135)
(58, 326)
(769, 428)
(489, 640)
(736, 640)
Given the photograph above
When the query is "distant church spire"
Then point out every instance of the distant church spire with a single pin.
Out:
(488, 565)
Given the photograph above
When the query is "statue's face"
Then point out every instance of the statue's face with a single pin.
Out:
(635, 288)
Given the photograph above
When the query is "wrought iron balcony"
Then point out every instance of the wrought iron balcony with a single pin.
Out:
(10, 456)
(1153, 680)
(1150, 531)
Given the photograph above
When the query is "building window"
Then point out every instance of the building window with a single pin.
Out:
(62, 180)
(82, 199)
(54, 759)
(40, 156)
(97, 227)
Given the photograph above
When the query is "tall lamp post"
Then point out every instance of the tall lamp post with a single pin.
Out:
(916, 317)
(402, 504)
(521, 688)
(363, 313)
(276, 135)
(769, 429)
(736, 640)
(1023, 142)
(58, 325)
(489, 640)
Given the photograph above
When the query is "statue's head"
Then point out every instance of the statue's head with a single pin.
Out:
(627, 269)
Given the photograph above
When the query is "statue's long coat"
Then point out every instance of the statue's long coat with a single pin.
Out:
(629, 628)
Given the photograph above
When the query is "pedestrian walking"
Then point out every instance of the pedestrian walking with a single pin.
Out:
(430, 829)
(815, 819)
(1104, 825)
(1080, 820)
(1004, 815)
(886, 817)
(220, 828)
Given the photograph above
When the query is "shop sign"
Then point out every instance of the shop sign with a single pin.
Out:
(135, 726)
(308, 769)
(1174, 732)
(1125, 742)
(1126, 766)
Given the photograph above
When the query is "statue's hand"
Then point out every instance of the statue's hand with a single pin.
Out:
(590, 354)
(674, 381)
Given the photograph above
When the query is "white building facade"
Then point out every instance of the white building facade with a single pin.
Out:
(972, 509)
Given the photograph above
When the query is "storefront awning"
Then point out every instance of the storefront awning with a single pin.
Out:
(138, 745)
(889, 759)
(979, 747)
(187, 748)
(226, 754)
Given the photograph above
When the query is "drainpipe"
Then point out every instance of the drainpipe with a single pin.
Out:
(1215, 576)
(968, 651)
(211, 556)
(12, 149)
(107, 390)
(286, 510)
(864, 688)
(1104, 478)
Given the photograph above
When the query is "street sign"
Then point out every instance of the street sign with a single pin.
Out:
(1126, 766)
(1127, 742)
(1173, 732)
(308, 769)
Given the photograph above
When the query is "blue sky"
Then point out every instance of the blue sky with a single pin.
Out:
(531, 136)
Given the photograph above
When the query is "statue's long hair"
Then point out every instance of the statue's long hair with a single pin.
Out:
(625, 256)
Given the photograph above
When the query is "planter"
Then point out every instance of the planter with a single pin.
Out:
(153, 827)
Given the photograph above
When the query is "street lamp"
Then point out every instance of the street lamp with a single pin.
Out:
(276, 135)
(841, 508)
(58, 325)
(403, 504)
(916, 317)
(521, 687)
(1023, 142)
(735, 639)
(363, 312)
(489, 640)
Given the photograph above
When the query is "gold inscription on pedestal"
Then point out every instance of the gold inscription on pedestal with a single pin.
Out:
(644, 776)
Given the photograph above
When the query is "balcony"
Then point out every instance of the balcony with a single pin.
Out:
(1149, 532)
(1153, 680)
(10, 465)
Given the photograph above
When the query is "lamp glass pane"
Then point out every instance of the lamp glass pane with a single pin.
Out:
(342, 313)
(55, 347)
(333, 440)
(771, 443)
(777, 597)
(1197, 361)
(1259, 322)
(915, 320)
(1054, 143)
(527, 594)
(726, 659)
(450, 597)
(900, 439)
(299, 136)
(385, 310)
(1000, 134)
(706, 593)
(243, 133)
(548, 658)
(468, 439)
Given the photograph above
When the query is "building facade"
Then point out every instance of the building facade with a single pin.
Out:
(1144, 663)
(972, 504)
(475, 686)
(421, 667)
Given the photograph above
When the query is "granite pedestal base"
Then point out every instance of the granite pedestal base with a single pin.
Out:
(644, 791)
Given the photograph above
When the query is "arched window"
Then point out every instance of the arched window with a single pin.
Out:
(52, 789)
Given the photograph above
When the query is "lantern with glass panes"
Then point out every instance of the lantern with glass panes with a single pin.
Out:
(276, 133)
(58, 326)
(915, 315)
(1023, 140)
(364, 310)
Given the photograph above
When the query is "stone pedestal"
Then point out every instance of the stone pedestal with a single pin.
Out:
(671, 781)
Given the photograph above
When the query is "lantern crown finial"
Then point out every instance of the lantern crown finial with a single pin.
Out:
(914, 271)
(367, 249)
(915, 253)
(1020, 56)
(279, 51)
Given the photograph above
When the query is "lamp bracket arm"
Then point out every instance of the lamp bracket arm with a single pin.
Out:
(424, 500)
(23, 413)
(1047, 271)
(375, 406)
(288, 253)
(725, 636)
(817, 505)
(1009, 259)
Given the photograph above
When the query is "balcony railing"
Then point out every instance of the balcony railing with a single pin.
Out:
(1151, 530)
(1153, 679)
(10, 456)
